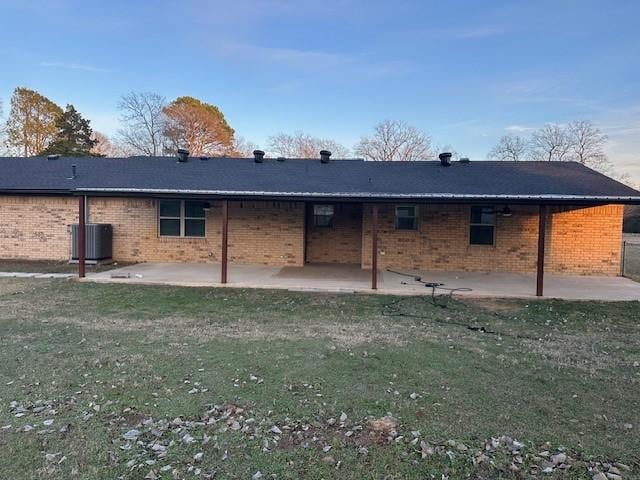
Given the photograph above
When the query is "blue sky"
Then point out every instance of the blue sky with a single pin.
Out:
(464, 71)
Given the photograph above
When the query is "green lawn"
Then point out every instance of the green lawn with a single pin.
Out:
(225, 383)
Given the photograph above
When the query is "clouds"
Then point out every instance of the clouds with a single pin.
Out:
(518, 129)
(465, 33)
(75, 66)
(284, 57)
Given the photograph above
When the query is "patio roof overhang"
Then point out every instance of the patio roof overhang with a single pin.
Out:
(365, 196)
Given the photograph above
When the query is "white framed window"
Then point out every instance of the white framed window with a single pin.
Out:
(323, 215)
(182, 218)
(482, 227)
(406, 217)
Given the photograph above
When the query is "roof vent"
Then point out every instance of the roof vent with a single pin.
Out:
(74, 172)
(204, 158)
(324, 156)
(281, 159)
(53, 157)
(183, 154)
(464, 160)
(445, 159)
(258, 156)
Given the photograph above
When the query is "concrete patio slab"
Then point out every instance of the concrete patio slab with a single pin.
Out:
(351, 278)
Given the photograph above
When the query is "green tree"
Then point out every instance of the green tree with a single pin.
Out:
(74, 136)
(198, 126)
(31, 125)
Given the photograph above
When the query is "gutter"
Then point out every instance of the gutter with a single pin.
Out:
(383, 196)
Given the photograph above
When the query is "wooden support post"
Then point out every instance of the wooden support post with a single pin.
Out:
(82, 233)
(542, 230)
(374, 247)
(225, 239)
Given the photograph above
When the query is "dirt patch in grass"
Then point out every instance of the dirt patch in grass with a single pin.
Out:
(52, 266)
(492, 304)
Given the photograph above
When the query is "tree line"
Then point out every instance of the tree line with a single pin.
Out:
(150, 125)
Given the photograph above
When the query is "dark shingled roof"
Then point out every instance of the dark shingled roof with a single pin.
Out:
(309, 178)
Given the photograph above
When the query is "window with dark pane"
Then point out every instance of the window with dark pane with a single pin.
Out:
(482, 230)
(406, 217)
(169, 211)
(194, 218)
(194, 209)
(170, 208)
(170, 227)
(182, 218)
(323, 215)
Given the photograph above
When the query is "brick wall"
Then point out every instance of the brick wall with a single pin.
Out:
(579, 241)
(263, 233)
(36, 228)
(586, 240)
(260, 233)
(342, 242)
(266, 233)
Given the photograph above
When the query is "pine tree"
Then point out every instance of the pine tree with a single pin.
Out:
(73, 136)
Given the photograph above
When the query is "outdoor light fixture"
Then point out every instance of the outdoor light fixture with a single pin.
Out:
(506, 212)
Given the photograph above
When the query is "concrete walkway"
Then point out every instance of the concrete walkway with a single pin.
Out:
(351, 278)
(35, 275)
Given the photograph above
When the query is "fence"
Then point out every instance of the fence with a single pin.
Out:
(631, 259)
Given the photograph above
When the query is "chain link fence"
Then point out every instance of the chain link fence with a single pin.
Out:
(631, 257)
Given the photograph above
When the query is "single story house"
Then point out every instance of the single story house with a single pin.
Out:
(494, 216)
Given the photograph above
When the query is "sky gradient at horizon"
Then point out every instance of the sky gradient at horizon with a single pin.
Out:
(466, 72)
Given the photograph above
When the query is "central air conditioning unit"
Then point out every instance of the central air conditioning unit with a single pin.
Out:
(98, 242)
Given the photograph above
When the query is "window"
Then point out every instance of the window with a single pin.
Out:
(406, 217)
(182, 218)
(483, 226)
(323, 215)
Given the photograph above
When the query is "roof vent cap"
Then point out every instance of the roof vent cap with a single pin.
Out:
(281, 159)
(183, 154)
(464, 160)
(258, 156)
(53, 157)
(445, 159)
(324, 156)
(74, 172)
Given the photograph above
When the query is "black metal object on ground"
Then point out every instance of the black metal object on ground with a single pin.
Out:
(433, 286)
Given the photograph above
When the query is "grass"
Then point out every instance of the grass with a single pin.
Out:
(50, 266)
(169, 361)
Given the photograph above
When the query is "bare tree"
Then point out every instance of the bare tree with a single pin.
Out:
(587, 143)
(3, 139)
(394, 140)
(104, 147)
(551, 143)
(242, 148)
(302, 145)
(509, 147)
(143, 121)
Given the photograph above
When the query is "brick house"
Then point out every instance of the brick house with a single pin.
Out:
(453, 216)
